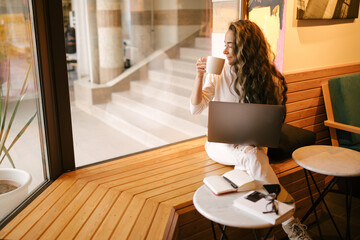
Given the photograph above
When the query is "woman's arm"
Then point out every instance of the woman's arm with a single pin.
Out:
(196, 94)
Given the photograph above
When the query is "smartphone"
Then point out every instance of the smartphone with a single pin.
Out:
(255, 196)
(272, 188)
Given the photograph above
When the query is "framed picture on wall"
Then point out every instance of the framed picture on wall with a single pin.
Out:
(327, 9)
(269, 15)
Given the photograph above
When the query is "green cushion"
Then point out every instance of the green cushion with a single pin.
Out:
(291, 138)
(345, 100)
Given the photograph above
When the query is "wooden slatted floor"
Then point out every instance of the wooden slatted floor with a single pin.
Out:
(135, 197)
(143, 196)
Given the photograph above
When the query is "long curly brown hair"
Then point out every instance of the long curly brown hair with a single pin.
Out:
(255, 70)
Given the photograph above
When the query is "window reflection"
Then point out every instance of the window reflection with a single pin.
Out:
(132, 74)
(22, 146)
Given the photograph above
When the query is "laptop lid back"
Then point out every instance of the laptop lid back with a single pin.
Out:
(245, 123)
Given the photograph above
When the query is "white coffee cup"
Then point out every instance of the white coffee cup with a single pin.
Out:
(214, 65)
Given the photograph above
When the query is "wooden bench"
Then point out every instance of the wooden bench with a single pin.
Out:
(143, 196)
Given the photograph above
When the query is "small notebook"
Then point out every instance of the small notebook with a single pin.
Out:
(254, 203)
(232, 181)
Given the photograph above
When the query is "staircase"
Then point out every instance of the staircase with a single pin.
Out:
(155, 111)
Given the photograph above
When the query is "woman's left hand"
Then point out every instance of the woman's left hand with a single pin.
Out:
(246, 150)
(201, 66)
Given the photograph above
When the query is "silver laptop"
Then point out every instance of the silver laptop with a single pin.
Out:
(245, 123)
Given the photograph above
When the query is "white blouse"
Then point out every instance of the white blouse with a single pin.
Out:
(217, 88)
(220, 88)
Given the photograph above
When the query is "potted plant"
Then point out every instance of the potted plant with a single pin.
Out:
(13, 182)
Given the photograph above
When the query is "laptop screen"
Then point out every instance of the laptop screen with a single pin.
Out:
(245, 123)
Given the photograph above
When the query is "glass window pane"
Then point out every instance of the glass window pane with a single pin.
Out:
(22, 135)
(131, 67)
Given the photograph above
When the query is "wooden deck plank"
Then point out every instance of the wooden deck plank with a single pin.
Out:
(177, 199)
(182, 200)
(123, 229)
(178, 188)
(112, 219)
(134, 168)
(141, 173)
(171, 151)
(74, 225)
(68, 213)
(36, 212)
(49, 217)
(143, 223)
(37, 201)
(169, 178)
(89, 228)
(163, 214)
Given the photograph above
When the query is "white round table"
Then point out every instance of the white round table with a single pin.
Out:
(333, 161)
(329, 160)
(220, 209)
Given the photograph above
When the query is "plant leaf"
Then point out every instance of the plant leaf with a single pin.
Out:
(23, 90)
(22, 131)
(21, 96)
(9, 157)
(1, 93)
(5, 109)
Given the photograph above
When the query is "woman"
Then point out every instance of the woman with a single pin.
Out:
(249, 76)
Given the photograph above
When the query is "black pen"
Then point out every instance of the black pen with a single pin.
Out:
(232, 184)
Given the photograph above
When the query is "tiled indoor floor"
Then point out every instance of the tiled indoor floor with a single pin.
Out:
(336, 204)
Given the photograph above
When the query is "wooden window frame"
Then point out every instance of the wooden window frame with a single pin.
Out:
(49, 36)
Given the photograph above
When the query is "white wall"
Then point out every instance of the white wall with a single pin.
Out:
(314, 44)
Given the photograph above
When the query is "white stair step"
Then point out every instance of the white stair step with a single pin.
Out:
(167, 107)
(204, 43)
(147, 126)
(192, 54)
(167, 119)
(164, 86)
(176, 65)
(179, 81)
(149, 90)
(124, 126)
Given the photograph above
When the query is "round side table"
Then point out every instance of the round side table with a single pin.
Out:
(329, 160)
(220, 209)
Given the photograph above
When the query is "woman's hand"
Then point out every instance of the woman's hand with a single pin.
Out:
(247, 149)
(201, 66)
(196, 93)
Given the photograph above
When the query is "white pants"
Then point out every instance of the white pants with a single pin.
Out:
(255, 162)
